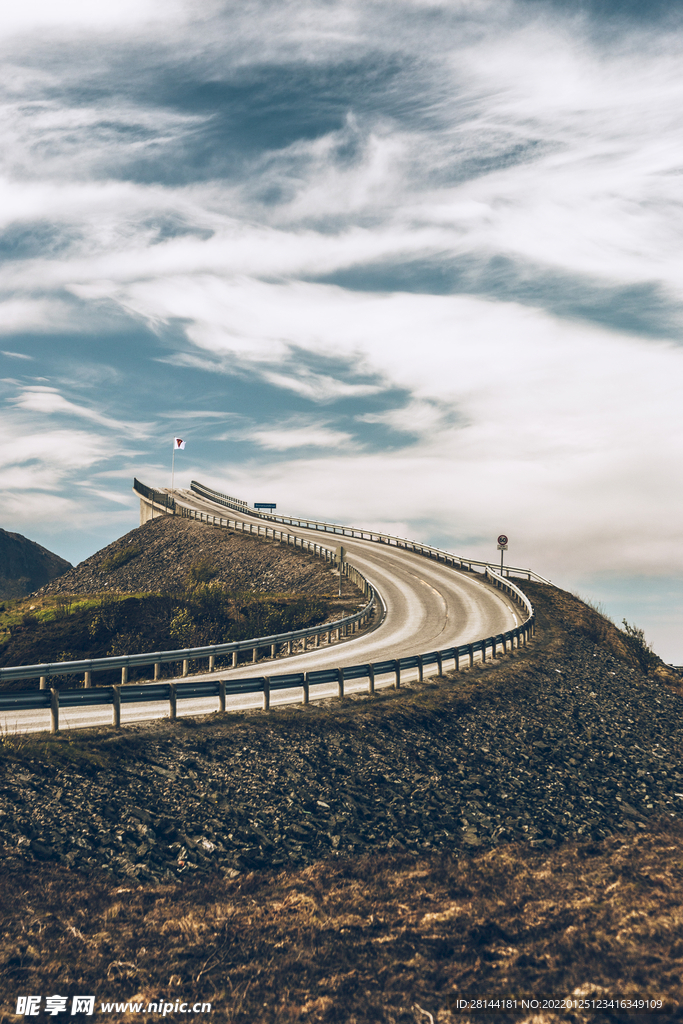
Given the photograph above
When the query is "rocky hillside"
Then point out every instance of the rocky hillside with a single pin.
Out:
(169, 553)
(25, 566)
(541, 748)
(510, 831)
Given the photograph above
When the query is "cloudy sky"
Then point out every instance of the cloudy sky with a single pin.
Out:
(400, 263)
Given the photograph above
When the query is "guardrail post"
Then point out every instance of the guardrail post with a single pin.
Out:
(420, 669)
(470, 651)
(397, 671)
(185, 666)
(212, 662)
(317, 639)
(483, 651)
(456, 660)
(116, 707)
(266, 694)
(340, 683)
(505, 645)
(371, 679)
(87, 680)
(306, 689)
(172, 702)
(221, 693)
(439, 663)
(494, 647)
(273, 651)
(234, 659)
(157, 670)
(289, 647)
(54, 710)
(124, 675)
(254, 656)
(43, 682)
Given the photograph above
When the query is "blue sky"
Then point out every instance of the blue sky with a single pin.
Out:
(413, 265)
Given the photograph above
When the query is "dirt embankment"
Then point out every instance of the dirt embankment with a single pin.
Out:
(168, 553)
(513, 832)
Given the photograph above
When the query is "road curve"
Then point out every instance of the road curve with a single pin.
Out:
(429, 606)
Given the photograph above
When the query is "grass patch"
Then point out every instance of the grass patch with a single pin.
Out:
(67, 628)
(121, 557)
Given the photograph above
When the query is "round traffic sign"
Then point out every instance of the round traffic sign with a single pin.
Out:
(502, 539)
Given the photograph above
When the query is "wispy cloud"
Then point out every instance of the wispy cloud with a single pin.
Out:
(48, 401)
(298, 434)
(399, 241)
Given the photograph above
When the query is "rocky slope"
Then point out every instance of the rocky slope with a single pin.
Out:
(514, 832)
(168, 553)
(556, 742)
(25, 565)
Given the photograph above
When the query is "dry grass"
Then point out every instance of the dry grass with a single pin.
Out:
(366, 940)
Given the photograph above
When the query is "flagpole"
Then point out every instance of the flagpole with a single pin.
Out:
(173, 466)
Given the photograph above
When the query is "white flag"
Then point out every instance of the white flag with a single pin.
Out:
(178, 443)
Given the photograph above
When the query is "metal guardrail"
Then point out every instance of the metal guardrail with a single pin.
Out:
(225, 499)
(125, 662)
(341, 627)
(115, 696)
(157, 497)
(428, 550)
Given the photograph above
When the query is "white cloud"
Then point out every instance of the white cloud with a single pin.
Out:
(503, 137)
(287, 436)
(31, 314)
(48, 401)
(39, 461)
(40, 15)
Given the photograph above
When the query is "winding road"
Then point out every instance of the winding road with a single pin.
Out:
(427, 606)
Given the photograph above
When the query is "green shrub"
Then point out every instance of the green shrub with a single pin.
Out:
(182, 628)
(202, 572)
(127, 643)
(63, 606)
(635, 638)
(120, 558)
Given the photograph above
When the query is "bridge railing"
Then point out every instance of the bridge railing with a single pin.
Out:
(428, 550)
(156, 497)
(341, 628)
(172, 692)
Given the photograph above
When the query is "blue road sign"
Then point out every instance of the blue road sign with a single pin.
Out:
(264, 504)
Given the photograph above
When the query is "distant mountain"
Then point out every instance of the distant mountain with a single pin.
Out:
(25, 565)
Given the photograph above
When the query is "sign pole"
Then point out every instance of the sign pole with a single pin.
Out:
(341, 551)
(502, 547)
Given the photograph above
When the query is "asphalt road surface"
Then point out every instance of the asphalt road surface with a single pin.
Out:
(428, 606)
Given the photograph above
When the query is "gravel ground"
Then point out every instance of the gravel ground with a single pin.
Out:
(168, 549)
(561, 741)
